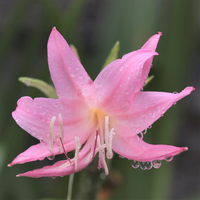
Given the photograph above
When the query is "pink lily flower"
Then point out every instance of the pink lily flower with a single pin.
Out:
(95, 117)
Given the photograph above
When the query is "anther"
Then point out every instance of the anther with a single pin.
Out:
(51, 134)
(77, 147)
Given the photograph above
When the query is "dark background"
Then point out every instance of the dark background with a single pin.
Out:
(93, 26)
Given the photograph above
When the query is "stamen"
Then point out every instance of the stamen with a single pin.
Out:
(95, 144)
(61, 126)
(109, 153)
(51, 134)
(90, 156)
(108, 138)
(77, 147)
(102, 156)
(106, 129)
(64, 150)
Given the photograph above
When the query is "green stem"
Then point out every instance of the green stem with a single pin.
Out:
(90, 183)
(70, 186)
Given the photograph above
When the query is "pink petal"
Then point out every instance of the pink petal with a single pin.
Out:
(67, 73)
(135, 148)
(152, 42)
(145, 109)
(121, 79)
(34, 116)
(60, 168)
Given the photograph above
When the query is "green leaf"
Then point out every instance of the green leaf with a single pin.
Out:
(44, 87)
(113, 55)
(148, 80)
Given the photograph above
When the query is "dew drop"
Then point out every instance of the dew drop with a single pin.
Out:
(77, 68)
(125, 105)
(150, 126)
(143, 165)
(51, 157)
(42, 158)
(175, 92)
(53, 177)
(169, 158)
(156, 164)
(80, 77)
(148, 165)
(140, 135)
(121, 156)
(135, 164)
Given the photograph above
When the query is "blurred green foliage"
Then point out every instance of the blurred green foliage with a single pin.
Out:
(93, 27)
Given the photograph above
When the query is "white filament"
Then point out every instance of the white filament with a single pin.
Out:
(77, 147)
(51, 134)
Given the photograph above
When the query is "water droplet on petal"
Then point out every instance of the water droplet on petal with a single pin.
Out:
(156, 164)
(169, 158)
(150, 126)
(140, 135)
(51, 157)
(143, 165)
(125, 105)
(135, 164)
(121, 156)
(53, 177)
(80, 77)
(148, 165)
(175, 92)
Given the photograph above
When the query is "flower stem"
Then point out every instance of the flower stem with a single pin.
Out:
(70, 186)
(90, 183)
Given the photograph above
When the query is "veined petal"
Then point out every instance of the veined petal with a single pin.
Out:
(64, 167)
(145, 109)
(135, 148)
(120, 80)
(67, 72)
(34, 116)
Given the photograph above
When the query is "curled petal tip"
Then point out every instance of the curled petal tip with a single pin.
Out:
(54, 29)
(9, 165)
(160, 33)
(184, 148)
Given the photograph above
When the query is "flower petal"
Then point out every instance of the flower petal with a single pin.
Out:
(67, 73)
(121, 79)
(64, 167)
(152, 42)
(135, 148)
(145, 109)
(34, 116)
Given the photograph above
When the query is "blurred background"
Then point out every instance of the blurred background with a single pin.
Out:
(93, 26)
